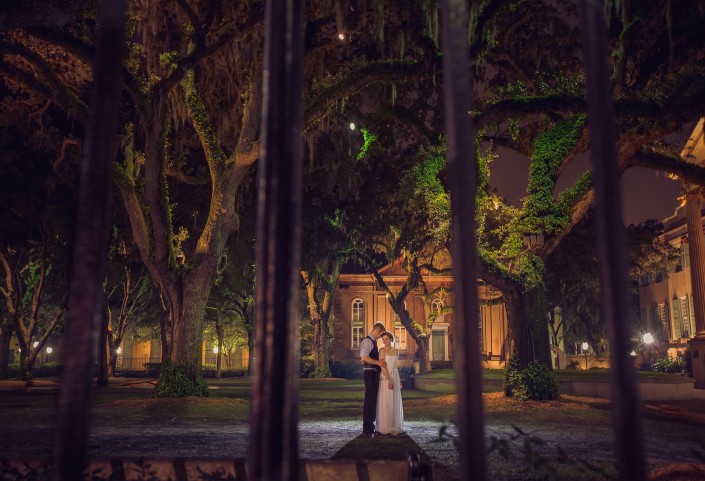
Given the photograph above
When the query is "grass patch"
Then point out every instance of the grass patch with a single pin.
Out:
(487, 374)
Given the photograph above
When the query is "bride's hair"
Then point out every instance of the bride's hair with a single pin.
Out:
(387, 333)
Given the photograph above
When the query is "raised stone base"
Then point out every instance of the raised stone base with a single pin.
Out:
(697, 352)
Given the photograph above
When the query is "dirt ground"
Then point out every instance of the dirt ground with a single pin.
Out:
(674, 433)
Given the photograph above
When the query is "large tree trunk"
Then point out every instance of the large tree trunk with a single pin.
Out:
(319, 311)
(5, 350)
(422, 345)
(189, 323)
(538, 314)
(27, 367)
(517, 326)
(165, 324)
(321, 340)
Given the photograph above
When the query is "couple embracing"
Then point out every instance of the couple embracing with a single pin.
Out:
(382, 384)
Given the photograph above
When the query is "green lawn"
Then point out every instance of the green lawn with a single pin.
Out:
(494, 374)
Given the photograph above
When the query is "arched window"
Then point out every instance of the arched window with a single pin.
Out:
(437, 308)
(357, 322)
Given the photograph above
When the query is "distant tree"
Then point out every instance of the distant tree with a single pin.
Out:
(573, 279)
(34, 294)
(36, 192)
(128, 296)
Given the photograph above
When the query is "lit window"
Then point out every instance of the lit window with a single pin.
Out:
(358, 322)
(399, 333)
(437, 308)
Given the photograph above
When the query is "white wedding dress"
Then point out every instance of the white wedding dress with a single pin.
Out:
(390, 414)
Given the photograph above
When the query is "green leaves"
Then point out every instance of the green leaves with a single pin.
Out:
(536, 382)
(541, 214)
(174, 381)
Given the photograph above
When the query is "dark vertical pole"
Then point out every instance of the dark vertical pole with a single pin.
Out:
(274, 426)
(85, 299)
(626, 410)
(462, 169)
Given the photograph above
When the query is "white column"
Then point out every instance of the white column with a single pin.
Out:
(696, 243)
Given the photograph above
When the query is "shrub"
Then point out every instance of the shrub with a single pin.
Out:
(536, 382)
(49, 369)
(540, 382)
(13, 371)
(573, 365)
(671, 365)
(405, 374)
(306, 366)
(435, 365)
(174, 382)
(152, 369)
(209, 371)
(321, 372)
(512, 378)
(348, 369)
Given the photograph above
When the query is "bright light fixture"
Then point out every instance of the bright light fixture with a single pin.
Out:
(352, 125)
(647, 338)
(633, 353)
(118, 350)
(341, 36)
(49, 350)
(215, 350)
(36, 343)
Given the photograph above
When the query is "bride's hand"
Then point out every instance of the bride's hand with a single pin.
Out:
(390, 384)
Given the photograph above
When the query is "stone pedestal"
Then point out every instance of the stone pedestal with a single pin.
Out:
(697, 352)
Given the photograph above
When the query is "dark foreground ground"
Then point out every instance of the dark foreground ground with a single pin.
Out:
(567, 439)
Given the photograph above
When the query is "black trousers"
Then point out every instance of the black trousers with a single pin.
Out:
(369, 410)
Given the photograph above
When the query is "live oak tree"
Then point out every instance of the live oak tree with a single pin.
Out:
(192, 102)
(191, 116)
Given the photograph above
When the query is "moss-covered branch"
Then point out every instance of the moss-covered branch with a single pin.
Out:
(540, 213)
(356, 80)
(69, 100)
(215, 157)
(670, 164)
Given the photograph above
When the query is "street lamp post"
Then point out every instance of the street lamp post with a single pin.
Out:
(585, 348)
(648, 339)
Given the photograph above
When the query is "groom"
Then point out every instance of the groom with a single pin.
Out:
(371, 366)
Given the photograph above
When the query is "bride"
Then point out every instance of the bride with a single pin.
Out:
(390, 414)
